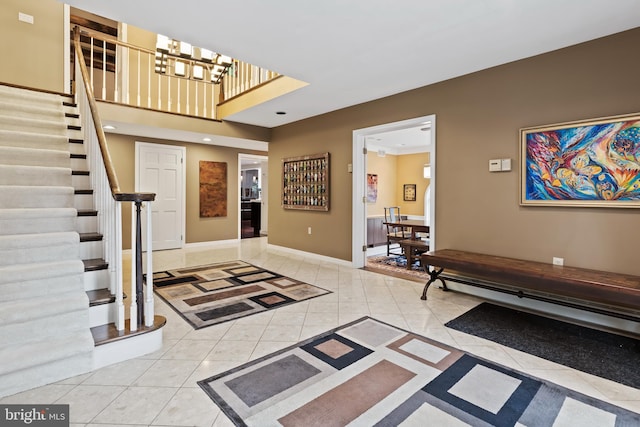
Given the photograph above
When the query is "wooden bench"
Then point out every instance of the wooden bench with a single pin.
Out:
(412, 248)
(606, 290)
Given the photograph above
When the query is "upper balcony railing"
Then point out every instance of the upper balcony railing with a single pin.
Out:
(126, 74)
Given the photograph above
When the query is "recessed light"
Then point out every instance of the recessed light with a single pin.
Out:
(108, 127)
(206, 139)
(281, 113)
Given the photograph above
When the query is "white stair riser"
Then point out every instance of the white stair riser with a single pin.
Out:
(80, 182)
(90, 250)
(83, 201)
(118, 351)
(101, 314)
(87, 224)
(98, 279)
(78, 164)
(75, 148)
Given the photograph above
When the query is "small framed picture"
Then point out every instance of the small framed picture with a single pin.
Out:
(409, 194)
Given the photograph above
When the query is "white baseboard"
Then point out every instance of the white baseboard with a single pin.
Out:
(119, 351)
(312, 255)
(211, 243)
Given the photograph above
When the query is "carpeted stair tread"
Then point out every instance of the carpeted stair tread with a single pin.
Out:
(34, 175)
(37, 220)
(45, 351)
(28, 139)
(39, 271)
(52, 127)
(34, 281)
(28, 110)
(34, 157)
(23, 310)
(29, 96)
(32, 196)
(44, 310)
(39, 247)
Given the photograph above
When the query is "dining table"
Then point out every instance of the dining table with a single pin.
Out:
(413, 246)
(416, 225)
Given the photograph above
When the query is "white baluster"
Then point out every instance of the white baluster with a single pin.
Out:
(133, 307)
(148, 305)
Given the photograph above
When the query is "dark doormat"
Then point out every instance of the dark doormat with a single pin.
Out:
(604, 354)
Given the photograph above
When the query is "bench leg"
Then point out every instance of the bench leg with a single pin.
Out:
(433, 276)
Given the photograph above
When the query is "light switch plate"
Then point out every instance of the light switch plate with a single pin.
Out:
(495, 165)
(25, 18)
(505, 165)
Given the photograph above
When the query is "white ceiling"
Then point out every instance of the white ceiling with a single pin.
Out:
(359, 50)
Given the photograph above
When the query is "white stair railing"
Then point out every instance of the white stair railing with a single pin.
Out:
(108, 202)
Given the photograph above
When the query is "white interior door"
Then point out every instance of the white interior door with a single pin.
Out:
(160, 170)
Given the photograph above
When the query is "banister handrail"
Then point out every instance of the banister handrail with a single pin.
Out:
(108, 198)
(102, 139)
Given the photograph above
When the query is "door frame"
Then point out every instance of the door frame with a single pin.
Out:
(264, 177)
(183, 202)
(359, 183)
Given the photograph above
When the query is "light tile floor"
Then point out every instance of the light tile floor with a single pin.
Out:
(160, 389)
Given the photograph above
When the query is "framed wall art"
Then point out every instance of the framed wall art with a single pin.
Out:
(372, 187)
(213, 189)
(593, 163)
(409, 193)
(305, 182)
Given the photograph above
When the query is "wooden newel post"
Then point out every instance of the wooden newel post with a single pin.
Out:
(139, 288)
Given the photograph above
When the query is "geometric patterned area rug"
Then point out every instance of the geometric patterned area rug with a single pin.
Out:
(216, 293)
(369, 373)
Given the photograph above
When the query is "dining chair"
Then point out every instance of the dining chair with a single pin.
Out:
(394, 233)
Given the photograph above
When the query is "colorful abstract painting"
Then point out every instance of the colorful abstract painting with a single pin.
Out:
(590, 164)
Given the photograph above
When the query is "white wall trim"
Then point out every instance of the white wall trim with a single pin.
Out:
(310, 255)
(212, 243)
(359, 208)
(66, 25)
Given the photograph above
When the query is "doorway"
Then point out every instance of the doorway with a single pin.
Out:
(160, 169)
(253, 196)
(359, 180)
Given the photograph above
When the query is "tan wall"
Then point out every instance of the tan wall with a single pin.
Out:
(478, 118)
(411, 171)
(33, 55)
(387, 169)
(393, 172)
(122, 149)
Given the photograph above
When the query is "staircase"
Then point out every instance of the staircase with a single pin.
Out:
(56, 309)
